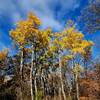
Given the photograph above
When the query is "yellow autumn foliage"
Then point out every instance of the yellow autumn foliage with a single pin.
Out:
(25, 30)
(3, 54)
(78, 69)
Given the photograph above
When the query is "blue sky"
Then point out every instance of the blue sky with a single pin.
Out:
(53, 13)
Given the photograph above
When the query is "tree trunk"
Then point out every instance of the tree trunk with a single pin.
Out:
(77, 88)
(61, 80)
(42, 83)
(60, 97)
(21, 68)
(35, 84)
(70, 89)
(31, 70)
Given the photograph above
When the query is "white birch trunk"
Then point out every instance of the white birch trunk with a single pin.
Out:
(77, 88)
(35, 83)
(21, 68)
(60, 97)
(62, 86)
(31, 69)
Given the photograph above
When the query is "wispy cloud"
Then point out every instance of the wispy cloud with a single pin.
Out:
(49, 11)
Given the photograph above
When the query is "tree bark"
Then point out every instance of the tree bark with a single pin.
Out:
(60, 97)
(61, 80)
(31, 70)
(35, 84)
(77, 88)
(21, 68)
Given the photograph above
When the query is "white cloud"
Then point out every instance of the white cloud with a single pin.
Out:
(45, 9)
(51, 22)
(15, 17)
